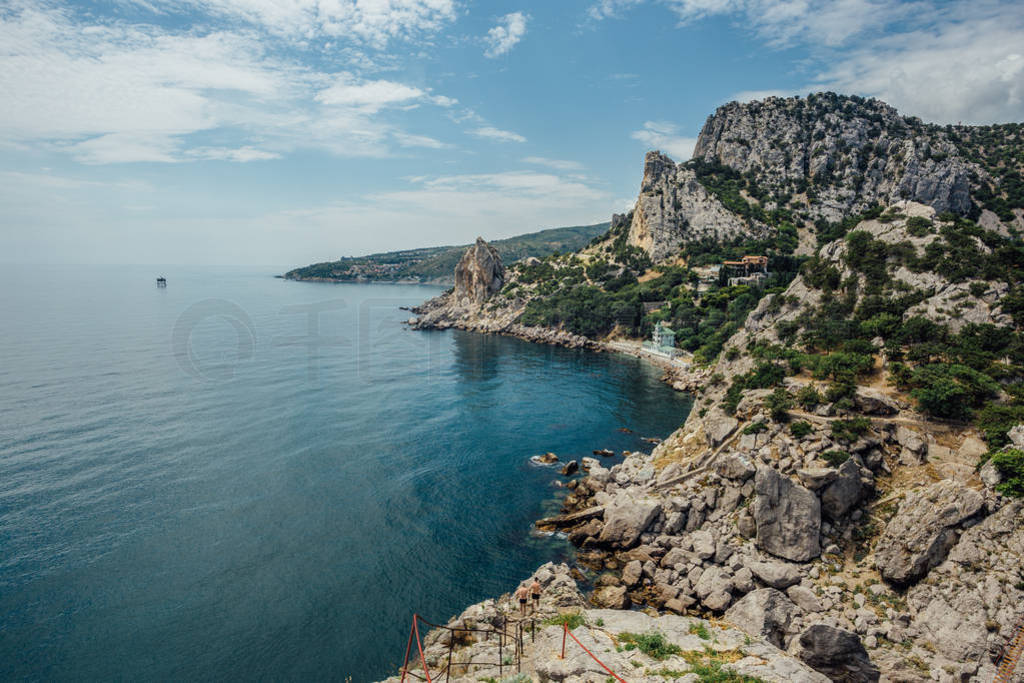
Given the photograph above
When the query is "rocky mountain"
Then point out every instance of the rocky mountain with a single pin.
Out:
(674, 208)
(848, 485)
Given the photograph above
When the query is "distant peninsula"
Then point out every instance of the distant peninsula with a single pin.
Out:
(435, 265)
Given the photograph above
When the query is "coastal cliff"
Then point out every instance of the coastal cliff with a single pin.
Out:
(848, 485)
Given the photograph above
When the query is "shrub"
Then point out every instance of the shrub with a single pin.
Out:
(652, 644)
(850, 430)
(918, 226)
(755, 428)
(950, 390)
(995, 420)
(1010, 464)
(778, 402)
(808, 397)
(800, 429)
(835, 458)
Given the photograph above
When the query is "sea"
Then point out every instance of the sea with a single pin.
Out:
(242, 477)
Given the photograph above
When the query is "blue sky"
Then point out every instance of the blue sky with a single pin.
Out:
(263, 132)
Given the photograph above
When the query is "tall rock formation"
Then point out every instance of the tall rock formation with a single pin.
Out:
(479, 274)
(847, 151)
(673, 208)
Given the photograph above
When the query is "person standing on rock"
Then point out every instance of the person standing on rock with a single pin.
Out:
(535, 594)
(523, 593)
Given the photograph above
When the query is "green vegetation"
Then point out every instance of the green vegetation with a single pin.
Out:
(835, 458)
(652, 644)
(715, 672)
(438, 263)
(800, 429)
(572, 619)
(700, 630)
(848, 431)
(1010, 464)
(755, 428)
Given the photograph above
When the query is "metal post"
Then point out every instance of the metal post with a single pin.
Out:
(501, 651)
(408, 648)
(451, 646)
(565, 630)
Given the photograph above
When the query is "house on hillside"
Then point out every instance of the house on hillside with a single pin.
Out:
(750, 270)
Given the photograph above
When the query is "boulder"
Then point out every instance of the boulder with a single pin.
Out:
(735, 466)
(625, 519)
(764, 613)
(611, 597)
(874, 402)
(703, 544)
(804, 598)
(990, 475)
(779, 575)
(837, 653)
(914, 446)
(921, 533)
(632, 573)
(815, 478)
(788, 517)
(718, 426)
(845, 492)
(1016, 436)
(570, 468)
(713, 580)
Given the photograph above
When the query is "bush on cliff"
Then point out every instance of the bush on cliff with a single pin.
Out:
(1010, 464)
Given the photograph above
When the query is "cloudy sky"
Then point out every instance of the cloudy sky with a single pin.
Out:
(291, 131)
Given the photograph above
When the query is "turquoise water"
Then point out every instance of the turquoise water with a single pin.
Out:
(243, 477)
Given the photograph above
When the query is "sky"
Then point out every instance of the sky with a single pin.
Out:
(294, 131)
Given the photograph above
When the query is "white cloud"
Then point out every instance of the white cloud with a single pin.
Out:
(665, 136)
(240, 154)
(370, 96)
(503, 37)
(118, 92)
(942, 61)
(607, 9)
(497, 134)
(408, 140)
(375, 22)
(969, 68)
(557, 164)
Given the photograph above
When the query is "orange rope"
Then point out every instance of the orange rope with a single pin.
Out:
(571, 635)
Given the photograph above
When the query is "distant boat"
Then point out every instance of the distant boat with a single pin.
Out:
(161, 281)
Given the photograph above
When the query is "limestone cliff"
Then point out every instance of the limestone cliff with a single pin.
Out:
(848, 151)
(673, 208)
(478, 275)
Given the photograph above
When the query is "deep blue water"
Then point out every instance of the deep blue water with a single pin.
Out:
(209, 481)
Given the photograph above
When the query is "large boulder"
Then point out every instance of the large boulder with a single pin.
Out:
(764, 613)
(625, 519)
(926, 526)
(612, 597)
(779, 575)
(837, 653)
(843, 493)
(479, 274)
(788, 517)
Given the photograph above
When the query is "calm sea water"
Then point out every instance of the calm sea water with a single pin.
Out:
(242, 477)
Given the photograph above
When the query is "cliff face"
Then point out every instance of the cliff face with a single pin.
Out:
(479, 274)
(673, 208)
(849, 152)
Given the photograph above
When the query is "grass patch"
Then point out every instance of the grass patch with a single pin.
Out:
(652, 644)
(700, 630)
(573, 619)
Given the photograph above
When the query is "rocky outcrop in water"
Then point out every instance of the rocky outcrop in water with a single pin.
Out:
(478, 275)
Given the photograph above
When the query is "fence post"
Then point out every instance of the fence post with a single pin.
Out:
(565, 630)
(408, 648)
